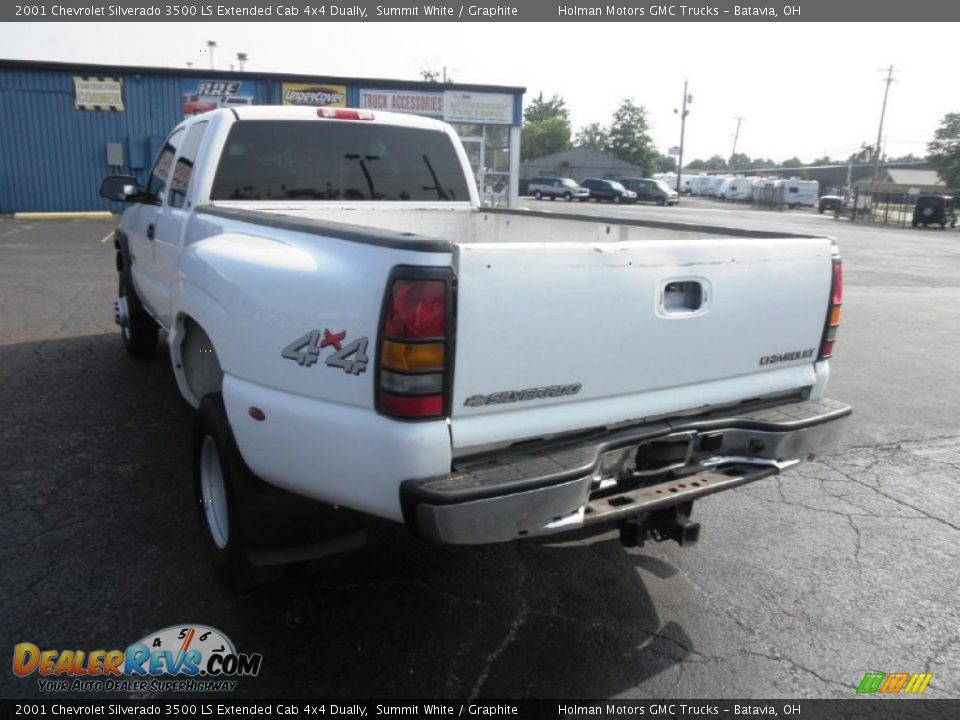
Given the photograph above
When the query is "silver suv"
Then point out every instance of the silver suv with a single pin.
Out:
(555, 187)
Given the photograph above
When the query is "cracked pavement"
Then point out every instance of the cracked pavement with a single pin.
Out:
(800, 584)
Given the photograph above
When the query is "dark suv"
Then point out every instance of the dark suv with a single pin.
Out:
(608, 190)
(932, 209)
(650, 190)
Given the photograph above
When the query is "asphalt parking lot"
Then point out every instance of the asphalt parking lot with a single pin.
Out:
(799, 586)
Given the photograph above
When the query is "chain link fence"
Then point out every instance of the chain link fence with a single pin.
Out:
(893, 209)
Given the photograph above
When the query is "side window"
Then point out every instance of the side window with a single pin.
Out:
(183, 170)
(793, 190)
(157, 184)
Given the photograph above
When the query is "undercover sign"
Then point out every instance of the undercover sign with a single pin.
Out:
(93, 93)
(314, 94)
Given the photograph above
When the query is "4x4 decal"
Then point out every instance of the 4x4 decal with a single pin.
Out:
(306, 349)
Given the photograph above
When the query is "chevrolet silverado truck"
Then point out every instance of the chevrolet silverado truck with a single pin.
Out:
(360, 338)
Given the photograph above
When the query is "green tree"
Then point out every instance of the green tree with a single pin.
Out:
(539, 109)
(762, 164)
(593, 136)
(908, 158)
(943, 151)
(793, 162)
(739, 161)
(628, 137)
(543, 138)
(666, 163)
(546, 127)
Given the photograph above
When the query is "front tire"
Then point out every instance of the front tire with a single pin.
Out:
(567, 196)
(139, 332)
(538, 195)
(616, 199)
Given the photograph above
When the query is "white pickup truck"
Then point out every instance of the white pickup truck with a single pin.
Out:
(360, 337)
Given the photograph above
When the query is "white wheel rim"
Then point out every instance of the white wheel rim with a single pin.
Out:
(214, 493)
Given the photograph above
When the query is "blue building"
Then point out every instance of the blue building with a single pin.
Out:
(63, 127)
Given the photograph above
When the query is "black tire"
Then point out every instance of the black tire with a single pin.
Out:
(256, 516)
(140, 335)
(661, 202)
(538, 195)
(616, 199)
(567, 196)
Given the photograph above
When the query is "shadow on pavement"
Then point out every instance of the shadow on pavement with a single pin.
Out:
(100, 545)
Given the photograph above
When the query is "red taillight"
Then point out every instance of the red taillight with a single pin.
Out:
(413, 358)
(833, 311)
(344, 114)
(837, 296)
(411, 406)
(417, 309)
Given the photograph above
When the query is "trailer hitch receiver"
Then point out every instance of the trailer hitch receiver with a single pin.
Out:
(672, 523)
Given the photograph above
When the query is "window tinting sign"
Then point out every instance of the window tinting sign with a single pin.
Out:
(95, 93)
(477, 107)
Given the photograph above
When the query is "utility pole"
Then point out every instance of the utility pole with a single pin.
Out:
(876, 148)
(736, 136)
(687, 98)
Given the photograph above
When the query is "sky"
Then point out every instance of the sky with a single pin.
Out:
(802, 89)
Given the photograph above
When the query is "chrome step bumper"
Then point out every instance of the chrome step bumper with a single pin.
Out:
(599, 478)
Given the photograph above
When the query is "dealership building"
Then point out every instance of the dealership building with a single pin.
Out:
(63, 127)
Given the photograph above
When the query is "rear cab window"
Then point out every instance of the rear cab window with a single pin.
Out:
(337, 160)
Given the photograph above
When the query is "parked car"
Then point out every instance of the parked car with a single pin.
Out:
(197, 104)
(932, 209)
(608, 190)
(650, 190)
(557, 187)
(830, 202)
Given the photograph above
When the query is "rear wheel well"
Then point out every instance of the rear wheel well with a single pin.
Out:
(198, 364)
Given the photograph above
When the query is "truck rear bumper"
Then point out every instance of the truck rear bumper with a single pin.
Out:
(610, 476)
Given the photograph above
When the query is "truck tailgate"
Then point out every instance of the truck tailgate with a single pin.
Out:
(618, 331)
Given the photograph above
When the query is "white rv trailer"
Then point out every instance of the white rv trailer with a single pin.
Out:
(715, 182)
(723, 190)
(700, 184)
(800, 193)
(740, 189)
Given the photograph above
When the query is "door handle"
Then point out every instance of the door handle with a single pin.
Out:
(151, 231)
(684, 296)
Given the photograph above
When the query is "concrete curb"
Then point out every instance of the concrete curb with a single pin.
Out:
(93, 215)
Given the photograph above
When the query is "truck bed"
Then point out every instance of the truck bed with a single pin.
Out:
(616, 320)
